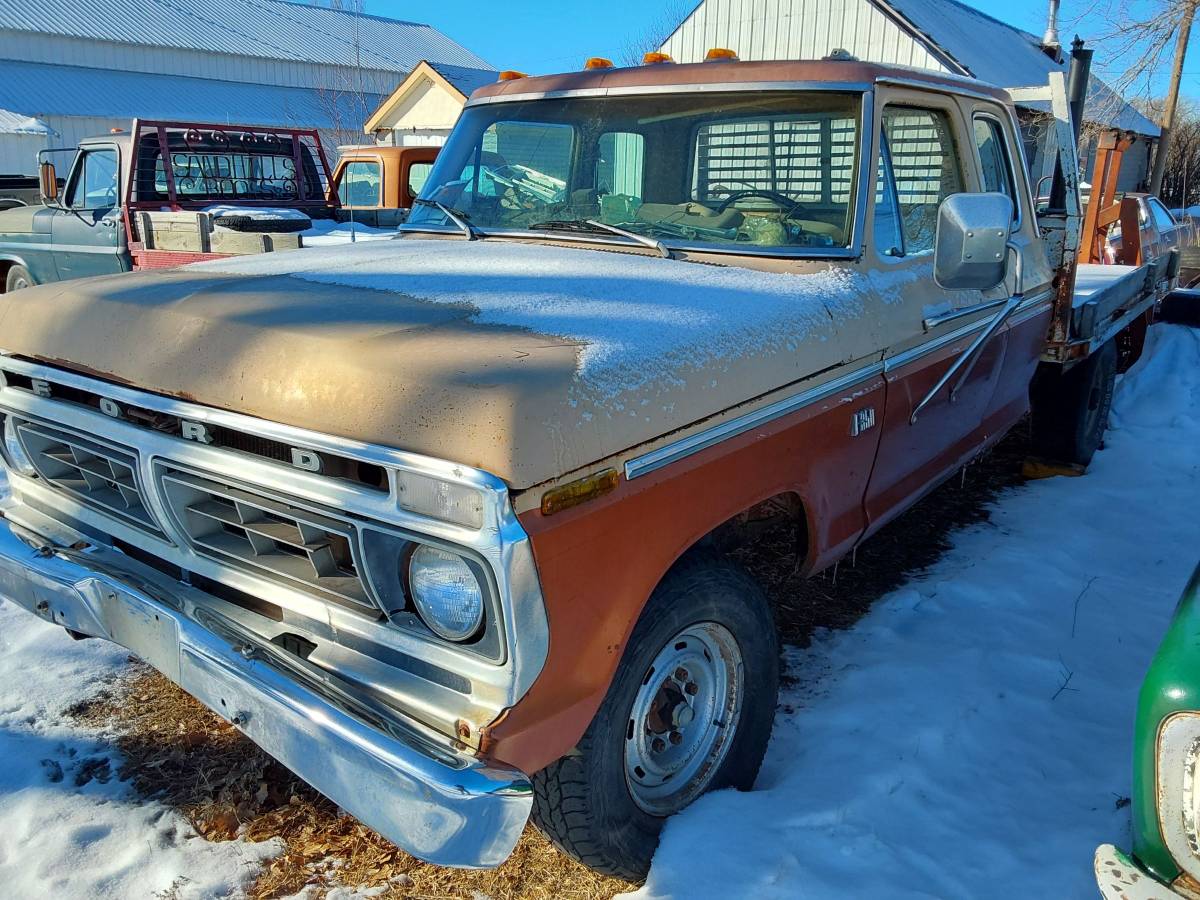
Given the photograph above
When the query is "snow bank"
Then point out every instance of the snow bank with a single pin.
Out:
(95, 841)
(636, 319)
(971, 736)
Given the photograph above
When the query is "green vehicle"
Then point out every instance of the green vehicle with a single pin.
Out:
(1165, 858)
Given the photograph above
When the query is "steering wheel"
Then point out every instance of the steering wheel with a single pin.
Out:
(784, 201)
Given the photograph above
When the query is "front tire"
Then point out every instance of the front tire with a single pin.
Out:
(690, 710)
(18, 279)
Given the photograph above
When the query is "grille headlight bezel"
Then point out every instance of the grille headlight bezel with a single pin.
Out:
(1177, 777)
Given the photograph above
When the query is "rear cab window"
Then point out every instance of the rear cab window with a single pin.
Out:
(918, 167)
(993, 152)
(361, 184)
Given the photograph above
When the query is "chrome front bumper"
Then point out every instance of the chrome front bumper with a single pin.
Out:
(410, 784)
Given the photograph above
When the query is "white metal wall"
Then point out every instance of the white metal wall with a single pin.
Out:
(797, 29)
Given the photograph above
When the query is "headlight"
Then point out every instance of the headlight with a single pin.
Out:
(14, 454)
(446, 592)
(1178, 789)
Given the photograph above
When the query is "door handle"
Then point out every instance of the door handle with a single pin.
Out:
(965, 364)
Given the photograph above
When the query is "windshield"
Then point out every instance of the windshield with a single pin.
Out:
(761, 169)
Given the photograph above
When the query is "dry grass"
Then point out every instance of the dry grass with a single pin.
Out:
(177, 751)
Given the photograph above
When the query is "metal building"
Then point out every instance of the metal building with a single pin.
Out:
(82, 67)
(941, 35)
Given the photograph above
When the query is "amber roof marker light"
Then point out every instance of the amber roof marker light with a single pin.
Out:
(511, 75)
(721, 54)
(597, 62)
(656, 59)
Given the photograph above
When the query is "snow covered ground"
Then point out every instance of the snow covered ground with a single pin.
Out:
(970, 737)
(68, 828)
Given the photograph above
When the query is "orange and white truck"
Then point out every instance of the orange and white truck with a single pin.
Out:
(442, 522)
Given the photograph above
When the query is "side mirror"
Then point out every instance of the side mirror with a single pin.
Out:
(971, 247)
(48, 182)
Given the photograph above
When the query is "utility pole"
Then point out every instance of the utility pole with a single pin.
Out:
(1168, 119)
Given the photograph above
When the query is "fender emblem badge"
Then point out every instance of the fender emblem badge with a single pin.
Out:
(862, 420)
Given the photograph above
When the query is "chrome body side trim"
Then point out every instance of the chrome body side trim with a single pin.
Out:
(954, 315)
(702, 440)
(412, 785)
(365, 647)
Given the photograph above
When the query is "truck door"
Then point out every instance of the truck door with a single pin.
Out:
(993, 139)
(919, 164)
(86, 232)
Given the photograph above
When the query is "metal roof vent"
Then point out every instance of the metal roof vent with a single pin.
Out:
(1051, 45)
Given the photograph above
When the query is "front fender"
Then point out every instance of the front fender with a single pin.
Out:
(1172, 685)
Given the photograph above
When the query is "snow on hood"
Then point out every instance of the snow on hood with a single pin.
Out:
(636, 319)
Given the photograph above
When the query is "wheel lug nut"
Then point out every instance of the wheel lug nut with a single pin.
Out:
(676, 738)
(659, 745)
(681, 674)
(691, 689)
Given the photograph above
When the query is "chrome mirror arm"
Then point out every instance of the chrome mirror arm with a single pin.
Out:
(965, 364)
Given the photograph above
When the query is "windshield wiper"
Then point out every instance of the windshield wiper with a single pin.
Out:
(592, 226)
(457, 216)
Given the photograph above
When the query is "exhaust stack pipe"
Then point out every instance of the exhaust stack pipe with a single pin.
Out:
(1050, 42)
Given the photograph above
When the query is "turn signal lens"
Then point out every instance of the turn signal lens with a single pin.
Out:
(511, 75)
(720, 54)
(656, 59)
(445, 500)
(581, 491)
(598, 62)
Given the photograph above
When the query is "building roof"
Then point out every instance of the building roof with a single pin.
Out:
(466, 81)
(38, 89)
(18, 123)
(998, 53)
(453, 80)
(269, 29)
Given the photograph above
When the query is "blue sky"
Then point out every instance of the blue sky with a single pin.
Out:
(539, 36)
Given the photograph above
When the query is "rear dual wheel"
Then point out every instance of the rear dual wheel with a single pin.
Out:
(689, 710)
(1071, 409)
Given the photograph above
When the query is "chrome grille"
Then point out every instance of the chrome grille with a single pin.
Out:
(285, 543)
(101, 476)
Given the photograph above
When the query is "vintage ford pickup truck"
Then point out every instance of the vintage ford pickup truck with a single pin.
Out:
(441, 522)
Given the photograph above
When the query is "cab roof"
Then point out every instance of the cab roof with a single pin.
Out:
(853, 74)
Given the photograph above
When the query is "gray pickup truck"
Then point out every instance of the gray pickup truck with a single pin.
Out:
(120, 208)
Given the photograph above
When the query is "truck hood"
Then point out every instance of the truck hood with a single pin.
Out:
(529, 361)
(19, 219)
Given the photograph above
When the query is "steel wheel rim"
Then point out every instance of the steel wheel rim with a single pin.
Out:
(683, 718)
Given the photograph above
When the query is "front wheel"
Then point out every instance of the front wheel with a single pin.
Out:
(18, 278)
(689, 710)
